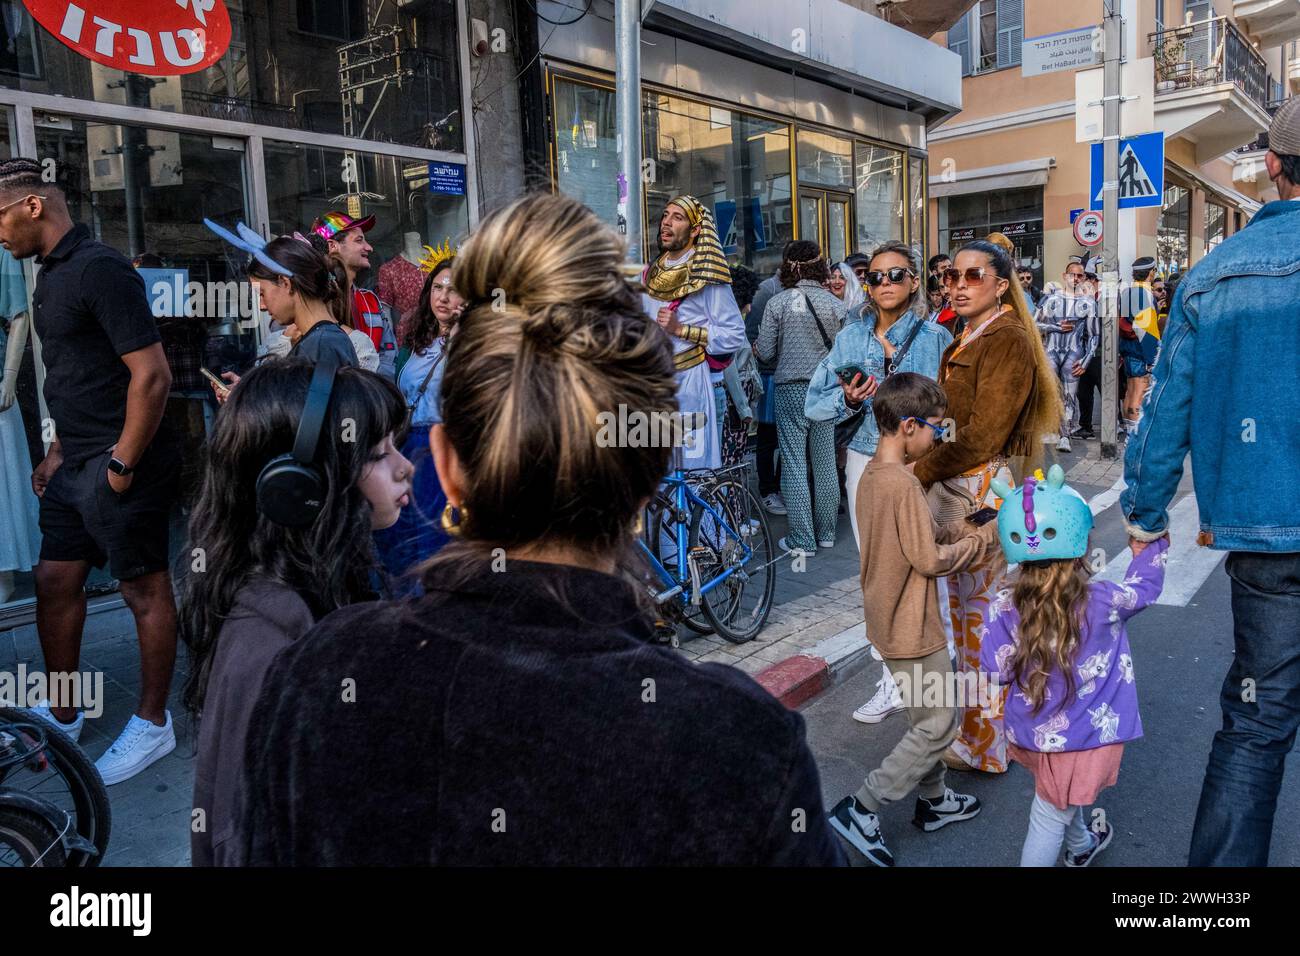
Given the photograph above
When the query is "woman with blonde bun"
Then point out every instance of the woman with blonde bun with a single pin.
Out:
(518, 709)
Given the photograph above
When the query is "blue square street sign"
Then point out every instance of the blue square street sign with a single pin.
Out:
(1075, 214)
(1141, 172)
(724, 214)
(447, 178)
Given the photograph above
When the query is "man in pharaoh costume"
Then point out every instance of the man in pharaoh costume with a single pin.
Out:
(689, 294)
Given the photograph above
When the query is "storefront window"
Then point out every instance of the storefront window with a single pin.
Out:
(1216, 224)
(1016, 213)
(1175, 228)
(415, 203)
(20, 417)
(144, 192)
(736, 164)
(879, 196)
(381, 71)
(917, 231)
(586, 147)
(825, 160)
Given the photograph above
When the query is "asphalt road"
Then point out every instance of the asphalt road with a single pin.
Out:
(1181, 655)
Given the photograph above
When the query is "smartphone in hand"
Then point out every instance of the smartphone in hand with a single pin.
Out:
(216, 382)
(983, 516)
(849, 372)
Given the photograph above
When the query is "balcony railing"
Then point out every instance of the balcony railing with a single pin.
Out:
(1208, 53)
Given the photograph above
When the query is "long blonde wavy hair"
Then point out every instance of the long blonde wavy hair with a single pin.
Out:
(1050, 597)
(1046, 410)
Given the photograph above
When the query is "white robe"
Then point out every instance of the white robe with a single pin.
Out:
(713, 307)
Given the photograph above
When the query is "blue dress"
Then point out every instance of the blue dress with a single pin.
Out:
(417, 535)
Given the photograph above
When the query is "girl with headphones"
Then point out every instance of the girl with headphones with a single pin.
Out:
(315, 447)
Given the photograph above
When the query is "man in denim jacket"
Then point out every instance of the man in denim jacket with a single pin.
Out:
(1226, 388)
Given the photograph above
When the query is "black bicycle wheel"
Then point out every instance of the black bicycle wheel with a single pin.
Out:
(28, 840)
(659, 534)
(65, 777)
(738, 607)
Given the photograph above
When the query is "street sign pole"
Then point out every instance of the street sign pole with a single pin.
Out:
(1112, 39)
(627, 84)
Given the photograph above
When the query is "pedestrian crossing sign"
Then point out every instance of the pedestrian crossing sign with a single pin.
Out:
(1141, 172)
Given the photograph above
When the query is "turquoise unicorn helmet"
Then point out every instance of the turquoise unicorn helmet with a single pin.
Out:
(1042, 520)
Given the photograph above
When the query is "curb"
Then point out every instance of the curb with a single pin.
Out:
(798, 679)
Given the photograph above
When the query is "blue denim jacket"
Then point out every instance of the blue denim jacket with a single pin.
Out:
(856, 345)
(1226, 386)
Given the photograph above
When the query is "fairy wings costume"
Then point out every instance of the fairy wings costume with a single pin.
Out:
(697, 285)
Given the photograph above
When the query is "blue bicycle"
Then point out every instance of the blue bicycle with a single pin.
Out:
(710, 550)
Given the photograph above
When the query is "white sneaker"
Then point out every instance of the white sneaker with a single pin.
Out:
(886, 701)
(828, 543)
(774, 504)
(139, 745)
(1063, 444)
(73, 730)
(783, 546)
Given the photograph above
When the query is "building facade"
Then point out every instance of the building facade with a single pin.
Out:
(787, 121)
(299, 107)
(1206, 74)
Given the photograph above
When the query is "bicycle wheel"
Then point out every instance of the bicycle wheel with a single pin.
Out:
(27, 839)
(660, 536)
(65, 777)
(739, 606)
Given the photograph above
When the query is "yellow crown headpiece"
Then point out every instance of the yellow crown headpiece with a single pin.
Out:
(433, 256)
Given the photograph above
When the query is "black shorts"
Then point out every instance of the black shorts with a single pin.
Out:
(84, 519)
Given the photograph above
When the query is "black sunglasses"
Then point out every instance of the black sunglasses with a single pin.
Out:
(896, 275)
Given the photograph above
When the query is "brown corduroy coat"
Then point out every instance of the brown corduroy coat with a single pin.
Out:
(992, 388)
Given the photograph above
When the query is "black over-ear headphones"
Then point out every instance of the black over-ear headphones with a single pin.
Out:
(291, 488)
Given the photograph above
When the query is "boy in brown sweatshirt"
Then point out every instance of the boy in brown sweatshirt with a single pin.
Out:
(903, 553)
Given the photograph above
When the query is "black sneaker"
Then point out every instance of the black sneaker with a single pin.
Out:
(1083, 433)
(1101, 840)
(861, 828)
(951, 807)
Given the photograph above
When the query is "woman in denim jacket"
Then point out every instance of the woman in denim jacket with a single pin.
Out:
(896, 309)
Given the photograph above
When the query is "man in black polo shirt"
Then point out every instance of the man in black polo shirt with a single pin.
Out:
(110, 476)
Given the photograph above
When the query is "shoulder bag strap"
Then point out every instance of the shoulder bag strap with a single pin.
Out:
(899, 354)
(428, 378)
(826, 339)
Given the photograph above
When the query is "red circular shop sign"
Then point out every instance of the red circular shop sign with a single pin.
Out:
(158, 37)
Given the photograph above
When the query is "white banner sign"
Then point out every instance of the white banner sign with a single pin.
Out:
(1055, 52)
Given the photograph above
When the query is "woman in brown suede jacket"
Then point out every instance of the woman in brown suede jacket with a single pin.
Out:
(1001, 400)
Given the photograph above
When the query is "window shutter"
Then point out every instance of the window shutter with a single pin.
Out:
(959, 43)
(1011, 31)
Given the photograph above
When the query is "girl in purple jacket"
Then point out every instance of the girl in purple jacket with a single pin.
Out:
(1057, 644)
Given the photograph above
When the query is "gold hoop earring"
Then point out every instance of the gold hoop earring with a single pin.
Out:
(453, 518)
(638, 525)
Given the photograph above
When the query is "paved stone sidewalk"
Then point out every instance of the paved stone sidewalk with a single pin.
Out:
(1092, 469)
(793, 627)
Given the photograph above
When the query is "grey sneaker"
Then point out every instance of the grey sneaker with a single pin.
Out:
(774, 504)
(783, 545)
(1100, 840)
